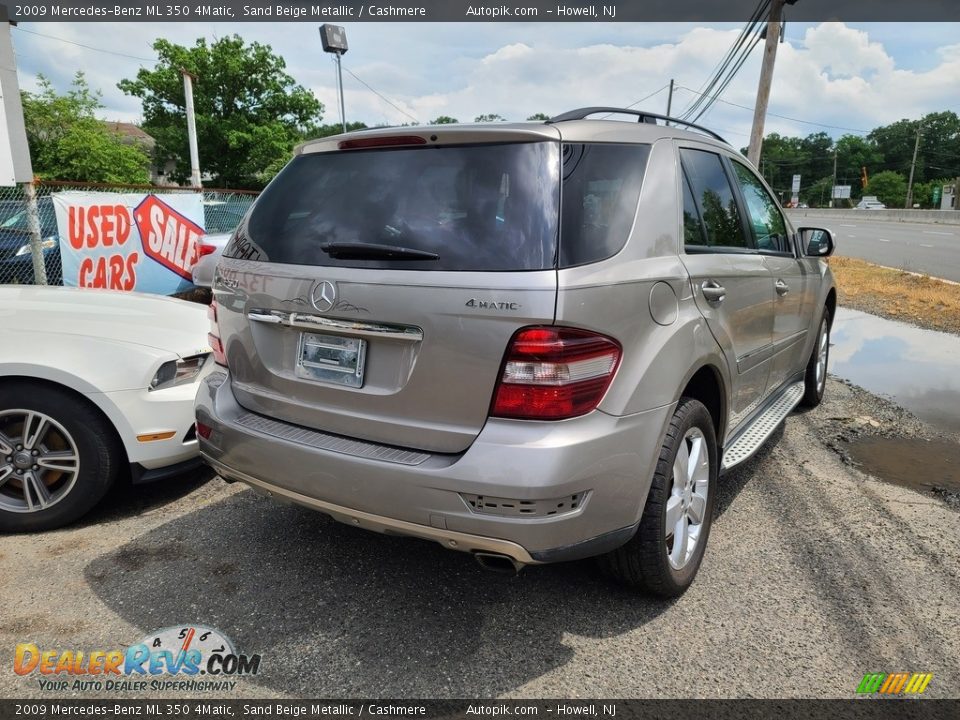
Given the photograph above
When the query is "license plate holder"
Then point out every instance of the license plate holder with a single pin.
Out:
(334, 359)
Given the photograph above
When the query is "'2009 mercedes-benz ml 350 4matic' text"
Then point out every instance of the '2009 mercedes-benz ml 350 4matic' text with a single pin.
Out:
(531, 342)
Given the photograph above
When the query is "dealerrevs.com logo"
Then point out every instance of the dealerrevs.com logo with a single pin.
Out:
(188, 658)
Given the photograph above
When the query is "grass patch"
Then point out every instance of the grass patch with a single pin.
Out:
(896, 294)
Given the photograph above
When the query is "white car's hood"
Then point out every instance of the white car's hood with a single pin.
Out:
(154, 321)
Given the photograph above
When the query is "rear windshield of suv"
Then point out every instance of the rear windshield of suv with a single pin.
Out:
(488, 207)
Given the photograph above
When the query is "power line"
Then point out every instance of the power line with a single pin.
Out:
(733, 73)
(783, 117)
(716, 70)
(381, 96)
(87, 47)
(637, 102)
(736, 54)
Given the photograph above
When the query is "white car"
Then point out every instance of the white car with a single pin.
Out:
(93, 383)
(870, 202)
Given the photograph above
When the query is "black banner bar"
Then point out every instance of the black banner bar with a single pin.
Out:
(864, 709)
(346, 11)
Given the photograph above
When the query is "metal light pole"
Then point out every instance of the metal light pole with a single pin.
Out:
(343, 114)
(333, 38)
(191, 128)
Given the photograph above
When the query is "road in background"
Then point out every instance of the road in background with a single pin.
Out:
(925, 248)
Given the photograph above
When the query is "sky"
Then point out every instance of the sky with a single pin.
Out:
(834, 77)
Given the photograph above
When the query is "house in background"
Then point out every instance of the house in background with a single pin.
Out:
(131, 134)
(135, 135)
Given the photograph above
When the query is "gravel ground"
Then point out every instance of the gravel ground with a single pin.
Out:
(815, 574)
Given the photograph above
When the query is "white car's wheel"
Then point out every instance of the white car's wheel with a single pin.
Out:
(58, 457)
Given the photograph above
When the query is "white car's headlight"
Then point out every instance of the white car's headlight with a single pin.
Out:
(178, 372)
(45, 244)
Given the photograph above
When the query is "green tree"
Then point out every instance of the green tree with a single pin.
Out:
(817, 194)
(444, 120)
(539, 116)
(853, 153)
(68, 142)
(322, 131)
(890, 188)
(249, 111)
(492, 117)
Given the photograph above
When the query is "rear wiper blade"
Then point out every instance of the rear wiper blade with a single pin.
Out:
(373, 251)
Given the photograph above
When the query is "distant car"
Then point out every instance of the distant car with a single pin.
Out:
(870, 202)
(93, 383)
(16, 260)
(211, 250)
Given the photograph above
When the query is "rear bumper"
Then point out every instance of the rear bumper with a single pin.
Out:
(606, 462)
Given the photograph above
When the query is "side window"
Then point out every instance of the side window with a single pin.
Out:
(714, 199)
(692, 226)
(601, 189)
(769, 229)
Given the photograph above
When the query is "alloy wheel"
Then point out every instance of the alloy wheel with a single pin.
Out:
(39, 461)
(687, 504)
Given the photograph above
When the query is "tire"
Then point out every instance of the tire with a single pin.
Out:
(815, 377)
(648, 561)
(63, 464)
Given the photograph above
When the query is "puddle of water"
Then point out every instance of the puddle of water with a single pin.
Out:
(911, 462)
(917, 369)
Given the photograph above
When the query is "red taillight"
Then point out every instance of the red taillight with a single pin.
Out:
(554, 373)
(205, 249)
(204, 430)
(387, 141)
(213, 337)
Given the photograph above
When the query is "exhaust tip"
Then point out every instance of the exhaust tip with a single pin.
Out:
(498, 563)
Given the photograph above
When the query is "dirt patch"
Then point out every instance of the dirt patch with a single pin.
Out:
(896, 294)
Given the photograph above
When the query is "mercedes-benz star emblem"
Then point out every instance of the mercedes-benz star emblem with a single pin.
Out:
(324, 295)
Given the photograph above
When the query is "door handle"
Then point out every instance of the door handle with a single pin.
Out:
(713, 291)
(782, 287)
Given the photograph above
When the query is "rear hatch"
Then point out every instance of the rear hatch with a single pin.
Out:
(374, 287)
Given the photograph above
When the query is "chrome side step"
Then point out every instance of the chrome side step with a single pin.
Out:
(762, 427)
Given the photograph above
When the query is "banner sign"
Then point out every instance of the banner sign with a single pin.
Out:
(130, 241)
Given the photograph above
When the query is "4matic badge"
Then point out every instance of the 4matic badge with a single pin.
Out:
(492, 304)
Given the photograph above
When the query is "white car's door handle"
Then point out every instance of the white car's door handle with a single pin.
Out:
(782, 287)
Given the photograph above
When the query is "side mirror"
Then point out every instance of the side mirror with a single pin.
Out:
(816, 242)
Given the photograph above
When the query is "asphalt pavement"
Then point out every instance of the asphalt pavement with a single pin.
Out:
(814, 575)
(931, 249)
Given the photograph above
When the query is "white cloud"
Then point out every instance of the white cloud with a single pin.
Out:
(828, 73)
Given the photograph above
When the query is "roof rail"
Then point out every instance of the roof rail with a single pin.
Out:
(642, 116)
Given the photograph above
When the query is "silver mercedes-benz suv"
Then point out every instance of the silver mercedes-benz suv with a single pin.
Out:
(530, 342)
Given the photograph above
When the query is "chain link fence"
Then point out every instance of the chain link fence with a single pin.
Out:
(30, 241)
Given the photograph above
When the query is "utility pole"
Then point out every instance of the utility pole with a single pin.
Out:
(834, 186)
(913, 165)
(766, 77)
(191, 128)
(670, 98)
